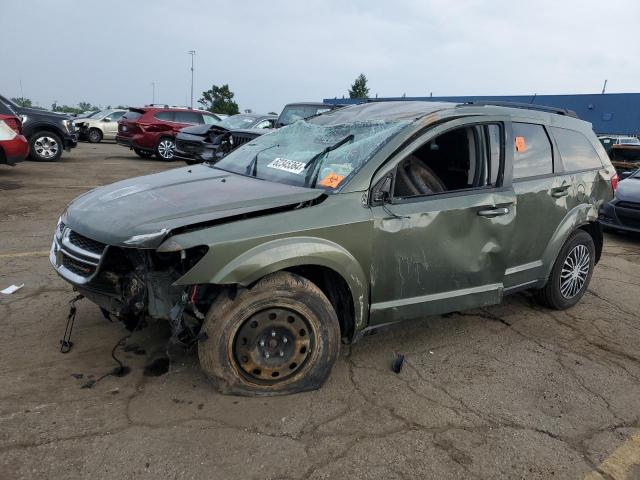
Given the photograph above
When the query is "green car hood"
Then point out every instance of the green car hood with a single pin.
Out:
(142, 211)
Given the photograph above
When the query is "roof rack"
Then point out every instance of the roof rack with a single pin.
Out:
(525, 106)
(164, 105)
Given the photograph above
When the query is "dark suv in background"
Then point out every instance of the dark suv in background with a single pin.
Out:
(48, 133)
(153, 129)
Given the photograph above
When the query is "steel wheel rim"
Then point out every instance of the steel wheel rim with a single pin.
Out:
(575, 271)
(165, 148)
(272, 345)
(46, 147)
(93, 135)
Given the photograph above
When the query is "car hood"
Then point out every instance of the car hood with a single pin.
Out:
(88, 121)
(629, 190)
(43, 113)
(142, 211)
(201, 130)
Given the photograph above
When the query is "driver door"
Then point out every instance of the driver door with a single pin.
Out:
(443, 247)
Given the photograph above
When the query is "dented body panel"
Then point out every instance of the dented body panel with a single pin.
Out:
(399, 258)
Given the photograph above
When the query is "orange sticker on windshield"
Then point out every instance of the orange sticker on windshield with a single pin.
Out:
(521, 145)
(332, 180)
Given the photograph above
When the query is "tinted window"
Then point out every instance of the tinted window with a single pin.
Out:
(188, 117)
(533, 155)
(576, 150)
(166, 116)
(131, 115)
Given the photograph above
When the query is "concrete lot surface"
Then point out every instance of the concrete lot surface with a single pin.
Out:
(512, 391)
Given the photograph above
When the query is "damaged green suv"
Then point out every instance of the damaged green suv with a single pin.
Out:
(333, 226)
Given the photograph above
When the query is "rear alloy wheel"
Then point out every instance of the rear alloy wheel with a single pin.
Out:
(281, 336)
(571, 272)
(165, 148)
(45, 147)
(94, 136)
(143, 153)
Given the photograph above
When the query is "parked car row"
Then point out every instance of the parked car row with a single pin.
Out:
(195, 135)
(47, 133)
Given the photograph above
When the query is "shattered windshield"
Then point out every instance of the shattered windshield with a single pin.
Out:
(310, 155)
(237, 121)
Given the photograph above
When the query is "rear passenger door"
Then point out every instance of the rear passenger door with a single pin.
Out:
(543, 194)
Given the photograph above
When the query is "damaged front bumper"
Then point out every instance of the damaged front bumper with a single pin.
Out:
(127, 282)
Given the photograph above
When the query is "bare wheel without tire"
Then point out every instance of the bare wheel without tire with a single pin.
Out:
(571, 272)
(280, 336)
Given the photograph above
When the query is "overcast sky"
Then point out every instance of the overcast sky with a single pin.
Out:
(274, 52)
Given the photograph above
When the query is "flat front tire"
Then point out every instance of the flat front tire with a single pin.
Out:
(278, 337)
(571, 272)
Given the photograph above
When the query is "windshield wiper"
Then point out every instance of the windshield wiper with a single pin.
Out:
(312, 162)
(252, 168)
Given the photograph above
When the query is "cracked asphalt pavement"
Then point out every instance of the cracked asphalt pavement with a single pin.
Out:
(511, 391)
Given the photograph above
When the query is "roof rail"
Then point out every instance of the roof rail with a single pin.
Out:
(526, 106)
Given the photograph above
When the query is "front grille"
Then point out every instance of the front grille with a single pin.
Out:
(240, 140)
(87, 244)
(61, 227)
(79, 268)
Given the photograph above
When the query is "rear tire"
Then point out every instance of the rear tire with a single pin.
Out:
(281, 336)
(94, 135)
(571, 273)
(165, 149)
(143, 153)
(45, 147)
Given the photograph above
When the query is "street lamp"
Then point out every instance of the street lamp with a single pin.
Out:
(193, 54)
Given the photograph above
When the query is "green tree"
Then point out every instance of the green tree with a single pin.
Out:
(359, 88)
(23, 102)
(219, 100)
(86, 106)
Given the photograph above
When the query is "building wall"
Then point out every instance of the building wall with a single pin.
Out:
(610, 113)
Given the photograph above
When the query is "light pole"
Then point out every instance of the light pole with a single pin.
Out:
(153, 93)
(193, 54)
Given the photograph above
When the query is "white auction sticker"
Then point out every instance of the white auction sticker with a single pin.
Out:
(287, 165)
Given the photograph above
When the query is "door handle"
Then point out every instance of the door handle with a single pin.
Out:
(559, 192)
(493, 212)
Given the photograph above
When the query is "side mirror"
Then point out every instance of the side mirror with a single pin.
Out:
(107, 119)
(381, 193)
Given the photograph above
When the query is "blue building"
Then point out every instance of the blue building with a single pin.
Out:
(609, 113)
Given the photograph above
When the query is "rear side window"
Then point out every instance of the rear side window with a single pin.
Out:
(209, 119)
(131, 115)
(165, 116)
(188, 117)
(533, 155)
(576, 150)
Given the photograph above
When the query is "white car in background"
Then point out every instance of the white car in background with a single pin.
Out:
(100, 126)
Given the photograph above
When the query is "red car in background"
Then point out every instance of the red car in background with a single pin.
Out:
(152, 129)
(14, 147)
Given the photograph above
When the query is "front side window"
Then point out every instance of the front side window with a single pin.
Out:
(533, 154)
(576, 150)
(237, 122)
(308, 154)
(462, 158)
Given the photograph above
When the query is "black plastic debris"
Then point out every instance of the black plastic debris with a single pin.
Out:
(65, 341)
(397, 363)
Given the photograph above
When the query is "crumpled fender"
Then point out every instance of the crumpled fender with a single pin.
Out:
(290, 252)
(577, 217)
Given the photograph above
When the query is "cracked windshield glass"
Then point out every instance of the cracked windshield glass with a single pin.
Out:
(306, 154)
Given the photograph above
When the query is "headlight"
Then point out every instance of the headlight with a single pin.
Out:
(69, 125)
